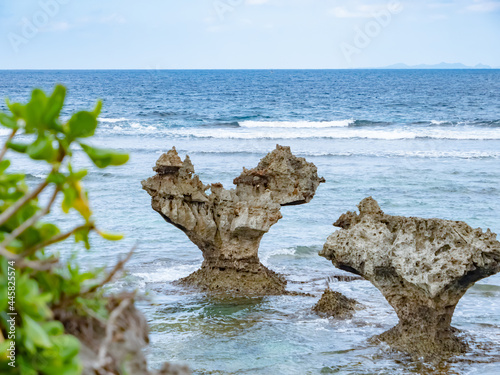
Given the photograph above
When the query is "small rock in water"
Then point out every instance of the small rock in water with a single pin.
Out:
(335, 304)
(422, 267)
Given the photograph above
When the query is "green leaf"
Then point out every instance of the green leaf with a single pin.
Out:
(111, 236)
(103, 158)
(35, 110)
(48, 231)
(53, 328)
(17, 109)
(97, 109)
(4, 164)
(77, 176)
(8, 121)
(18, 147)
(81, 125)
(36, 333)
(54, 106)
(82, 235)
(68, 346)
(56, 178)
(69, 197)
(42, 149)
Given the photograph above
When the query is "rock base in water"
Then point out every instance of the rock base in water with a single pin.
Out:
(422, 267)
(233, 281)
(335, 304)
(427, 343)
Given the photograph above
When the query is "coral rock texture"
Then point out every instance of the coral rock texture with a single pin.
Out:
(228, 225)
(422, 267)
(335, 304)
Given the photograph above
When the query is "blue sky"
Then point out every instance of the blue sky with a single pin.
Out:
(241, 34)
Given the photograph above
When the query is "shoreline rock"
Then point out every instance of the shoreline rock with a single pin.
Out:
(228, 225)
(422, 267)
(335, 305)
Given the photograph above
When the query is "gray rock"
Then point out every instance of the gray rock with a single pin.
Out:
(228, 225)
(422, 267)
(336, 305)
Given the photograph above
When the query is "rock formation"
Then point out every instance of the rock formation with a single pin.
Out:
(115, 346)
(335, 304)
(228, 225)
(422, 267)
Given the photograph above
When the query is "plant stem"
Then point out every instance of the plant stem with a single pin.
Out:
(53, 240)
(28, 223)
(9, 212)
(112, 274)
(5, 146)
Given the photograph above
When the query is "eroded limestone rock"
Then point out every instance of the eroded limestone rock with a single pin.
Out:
(335, 304)
(228, 225)
(422, 267)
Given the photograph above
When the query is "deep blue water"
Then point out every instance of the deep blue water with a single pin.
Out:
(423, 143)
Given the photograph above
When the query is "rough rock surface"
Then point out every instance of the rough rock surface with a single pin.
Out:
(335, 304)
(422, 267)
(124, 348)
(228, 225)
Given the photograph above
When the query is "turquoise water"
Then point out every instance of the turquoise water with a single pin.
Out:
(423, 143)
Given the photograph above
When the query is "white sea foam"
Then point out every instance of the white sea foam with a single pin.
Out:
(337, 133)
(411, 154)
(291, 133)
(305, 130)
(438, 122)
(165, 274)
(40, 175)
(296, 124)
(113, 120)
(276, 253)
(132, 128)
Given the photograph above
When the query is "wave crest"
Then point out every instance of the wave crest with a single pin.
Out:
(297, 124)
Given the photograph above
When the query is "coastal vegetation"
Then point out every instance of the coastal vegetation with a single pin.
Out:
(55, 317)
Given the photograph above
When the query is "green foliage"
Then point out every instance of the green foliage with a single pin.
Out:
(42, 283)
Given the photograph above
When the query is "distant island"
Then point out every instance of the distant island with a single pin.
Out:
(442, 65)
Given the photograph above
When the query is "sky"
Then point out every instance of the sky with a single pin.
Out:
(246, 34)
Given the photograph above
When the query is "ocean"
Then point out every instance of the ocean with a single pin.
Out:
(421, 142)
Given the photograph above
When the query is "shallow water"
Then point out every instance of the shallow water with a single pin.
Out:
(423, 143)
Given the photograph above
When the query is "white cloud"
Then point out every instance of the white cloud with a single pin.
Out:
(438, 17)
(359, 11)
(215, 28)
(439, 5)
(111, 19)
(59, 26)
(343, 12)
(256, 2)
(484, 6)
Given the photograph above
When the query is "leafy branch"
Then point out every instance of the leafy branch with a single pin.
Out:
(42, 282)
